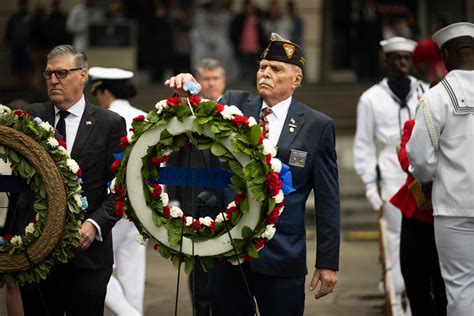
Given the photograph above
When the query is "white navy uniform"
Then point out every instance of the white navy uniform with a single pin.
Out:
(441, 149)
(380, 120)
(126, 287)
(129, 255)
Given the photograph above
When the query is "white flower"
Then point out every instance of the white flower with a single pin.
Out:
(4, 110)
(16, 240)
(230, 111)
(236, 262)
(73, 166)
(269, 232)
(160, 106)
(30, 229)
(112, 185)
(276, 164)
(167, 152)
(221, 218)
(252, 121)
(279, 197)
(46, 126)
(268, 148)
(231, 204)
(176, 212)
(64, 151)
(164, 198)
(141, 240)
(78, 200)
(206, 221)
(189, 220)
(53, 142)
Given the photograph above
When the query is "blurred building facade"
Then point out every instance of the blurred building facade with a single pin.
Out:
(339, 37)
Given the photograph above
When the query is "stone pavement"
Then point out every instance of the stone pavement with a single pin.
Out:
(356, 292)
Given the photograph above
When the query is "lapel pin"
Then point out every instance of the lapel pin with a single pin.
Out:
(292, 129)
(292, 120)
(291, 125)
(88, 122)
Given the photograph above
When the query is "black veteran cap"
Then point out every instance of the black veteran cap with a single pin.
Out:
(283, 50)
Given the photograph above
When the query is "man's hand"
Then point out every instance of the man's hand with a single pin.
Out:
(88, 233)
(177, 83)
(328, 280)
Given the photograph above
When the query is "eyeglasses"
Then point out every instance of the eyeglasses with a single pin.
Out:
(60, 73)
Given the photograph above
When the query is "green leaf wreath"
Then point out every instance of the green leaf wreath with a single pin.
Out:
(242, 150)
(18, 246)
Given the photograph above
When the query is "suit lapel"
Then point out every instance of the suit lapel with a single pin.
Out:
(293, 124)
(48, 114)
(252, 107)
(86, 125)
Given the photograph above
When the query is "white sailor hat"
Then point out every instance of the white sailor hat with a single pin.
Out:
(398, 44)
(452, 31)
(110, 78)
(109, 73)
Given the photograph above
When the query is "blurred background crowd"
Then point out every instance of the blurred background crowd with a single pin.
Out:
(155, 38)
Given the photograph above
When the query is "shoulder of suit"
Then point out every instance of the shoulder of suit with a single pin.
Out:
(35, 109)
(311, 113)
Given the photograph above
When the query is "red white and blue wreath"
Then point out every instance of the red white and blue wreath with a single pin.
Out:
(238, 142)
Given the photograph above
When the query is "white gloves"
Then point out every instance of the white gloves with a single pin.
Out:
(374, 198)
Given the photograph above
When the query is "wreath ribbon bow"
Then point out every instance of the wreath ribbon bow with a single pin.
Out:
(286, 179)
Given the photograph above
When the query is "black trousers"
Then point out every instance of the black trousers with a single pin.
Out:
(67, 290)
(420, 269)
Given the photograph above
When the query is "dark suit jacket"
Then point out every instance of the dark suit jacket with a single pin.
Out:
(97, 139)
(313, 135)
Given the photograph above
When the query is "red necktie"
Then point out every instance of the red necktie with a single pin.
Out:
(264, 120)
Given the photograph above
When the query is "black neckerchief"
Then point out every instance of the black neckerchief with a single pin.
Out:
(401, 88)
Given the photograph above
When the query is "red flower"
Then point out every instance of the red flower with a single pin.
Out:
(119, 190)
(115, 166)
(158, 160)
(62, 142)
(194, 100)
(139, 118)
(131, 129)
(268, 158)
(123, 142)
(247, 258)
(238, 198)
(196, 225)
(119, 208)
(155, 194)
(260, 243)
(79, 173)
(212, 227)
(173, 101)
(166, 211)
(273, 216)
(260, 140)
(273, 183)
(240, 120)
(7, 237)
(218, 108)
(156, 247)
(21, 113)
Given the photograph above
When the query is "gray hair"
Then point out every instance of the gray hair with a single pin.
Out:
(207, 64)
(80, 58)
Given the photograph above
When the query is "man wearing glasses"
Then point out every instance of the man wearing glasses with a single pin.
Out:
(92, 135)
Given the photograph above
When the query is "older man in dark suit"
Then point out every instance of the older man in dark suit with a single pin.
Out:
(92, 135)
(306, 142)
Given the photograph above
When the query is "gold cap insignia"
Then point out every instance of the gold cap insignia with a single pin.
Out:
(289, 50)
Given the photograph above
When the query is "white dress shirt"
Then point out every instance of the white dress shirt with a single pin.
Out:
(72, 121)
(126, 110)
(276, 119)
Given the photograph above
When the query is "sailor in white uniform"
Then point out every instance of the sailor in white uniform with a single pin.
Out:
(381, 113)
(441, 149)
(113, 89)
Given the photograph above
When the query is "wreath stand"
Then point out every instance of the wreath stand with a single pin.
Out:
(193, 207)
